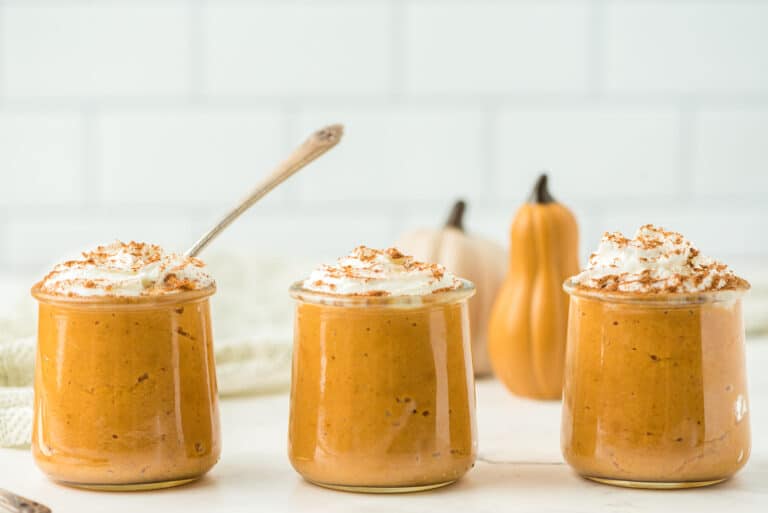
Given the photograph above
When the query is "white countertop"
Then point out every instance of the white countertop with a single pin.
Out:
(519, 469)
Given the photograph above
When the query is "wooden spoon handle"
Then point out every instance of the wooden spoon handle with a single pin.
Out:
(317, 144)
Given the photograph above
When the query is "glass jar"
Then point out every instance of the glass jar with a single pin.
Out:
(655, 391)
(125, 390)
(382, 394)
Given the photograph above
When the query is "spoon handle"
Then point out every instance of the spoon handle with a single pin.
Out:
(12, 503)
(317, 144)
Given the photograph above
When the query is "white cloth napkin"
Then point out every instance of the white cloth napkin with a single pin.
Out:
(252, 318)
(17, 357)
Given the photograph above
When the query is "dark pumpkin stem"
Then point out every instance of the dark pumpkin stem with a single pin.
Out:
(456, 217)
(540, 192)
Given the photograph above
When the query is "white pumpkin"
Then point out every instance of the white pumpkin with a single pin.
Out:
(479, 260)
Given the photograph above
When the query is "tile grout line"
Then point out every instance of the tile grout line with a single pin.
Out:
(90, 157)
(687, 118)
(491, 148)
(290, 114)
(397, 47)
(517, 100)
(595, 48)
(336, 208)
(197, 65)
(3, 67)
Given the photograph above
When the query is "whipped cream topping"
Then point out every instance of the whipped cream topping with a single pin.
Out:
(132, 269)
(375, 272)
(654, 261)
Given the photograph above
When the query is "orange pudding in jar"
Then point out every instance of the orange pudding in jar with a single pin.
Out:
(655, 391)
(125, 383)
(382, 395)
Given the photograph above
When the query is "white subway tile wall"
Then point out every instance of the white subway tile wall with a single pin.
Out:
(311, 48)
(592, 151)
(88, 50)
(185, 156)
(732, 143)
(40, 158)
(146, 119)
(686, 47)
(408, 154)
(496, 47)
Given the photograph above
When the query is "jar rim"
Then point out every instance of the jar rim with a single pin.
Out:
(301, 294)
(661, 298)
(120, 302)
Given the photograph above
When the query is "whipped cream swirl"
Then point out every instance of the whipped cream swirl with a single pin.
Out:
(374, 272)
(654, 261)
(132, 269)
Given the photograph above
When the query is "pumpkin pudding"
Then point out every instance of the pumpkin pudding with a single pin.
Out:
(655, 391)
(382, 395)
(125, 385)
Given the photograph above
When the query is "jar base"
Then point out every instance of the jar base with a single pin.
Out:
(130, 487)
(655, 485)
(383, 489)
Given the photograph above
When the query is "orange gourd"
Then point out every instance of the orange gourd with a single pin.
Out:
(527, 328)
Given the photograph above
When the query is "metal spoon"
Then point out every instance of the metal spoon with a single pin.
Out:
(317, 144)
(12, 503)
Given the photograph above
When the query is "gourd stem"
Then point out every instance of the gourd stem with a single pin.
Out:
(456, 217)
(540, 192)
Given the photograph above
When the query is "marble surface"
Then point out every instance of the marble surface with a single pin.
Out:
(519, 469)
